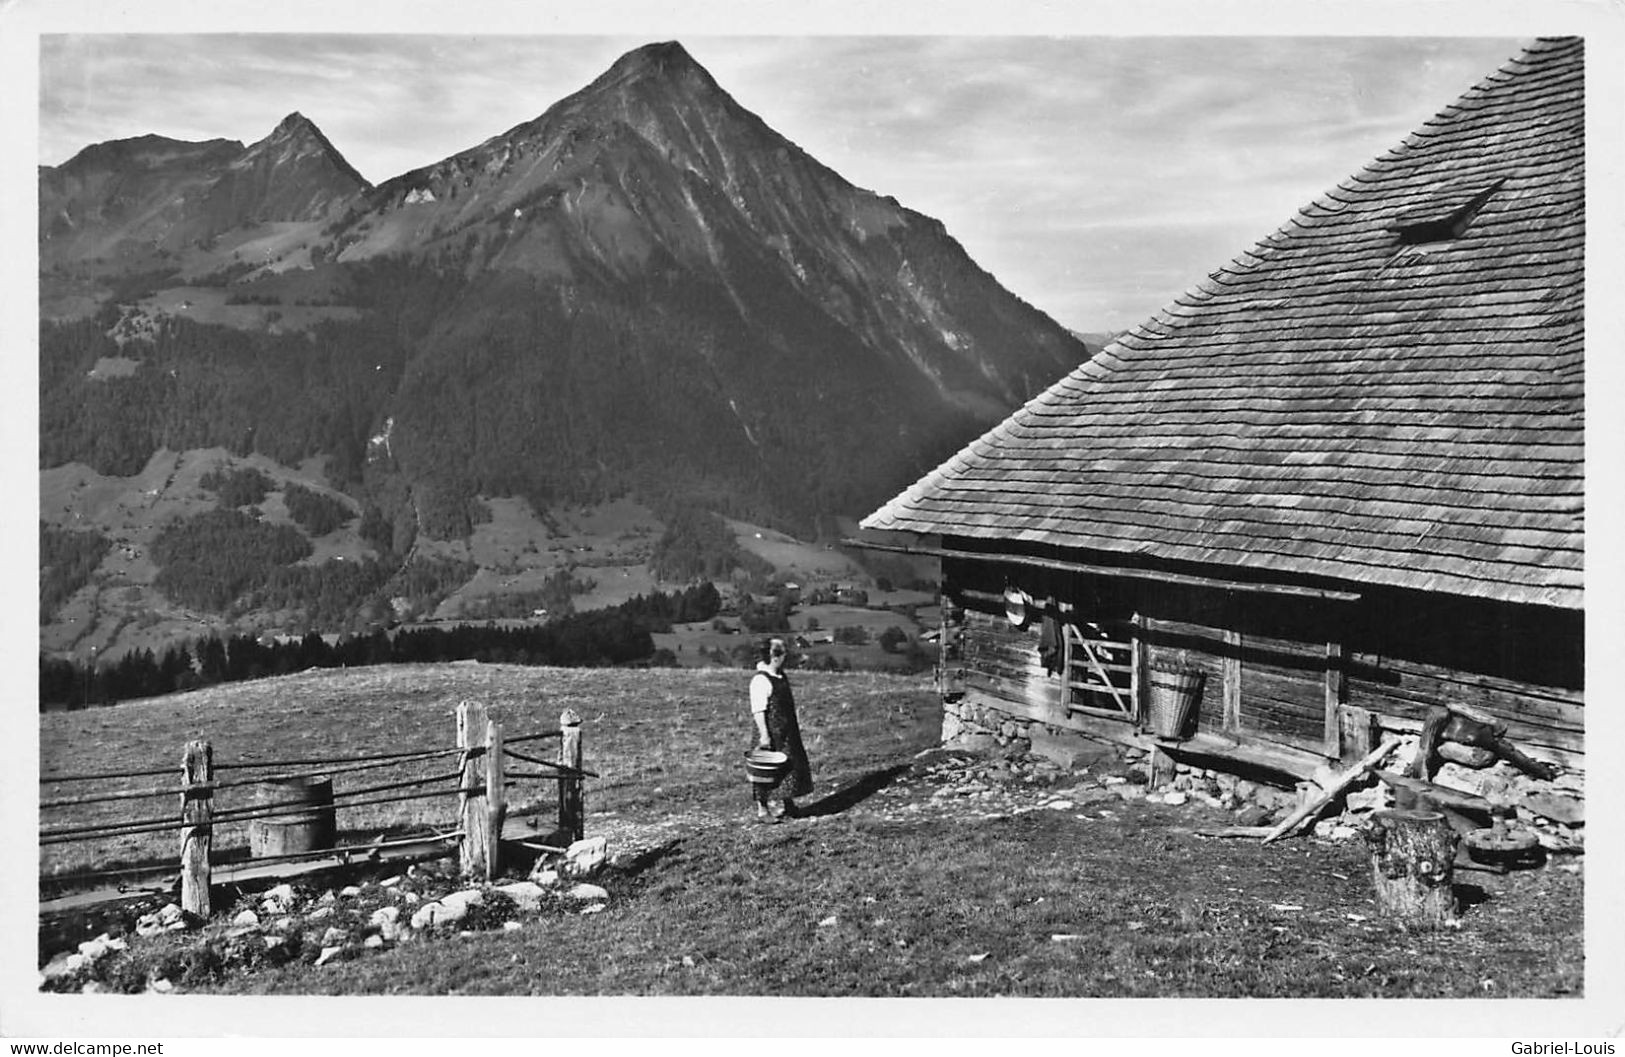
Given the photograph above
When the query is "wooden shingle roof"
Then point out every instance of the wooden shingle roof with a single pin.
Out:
(1388, 389)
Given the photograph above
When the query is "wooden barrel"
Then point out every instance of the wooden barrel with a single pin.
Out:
(1172, 700)
(303, 819)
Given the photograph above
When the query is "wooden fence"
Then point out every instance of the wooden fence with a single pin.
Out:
(478, 779)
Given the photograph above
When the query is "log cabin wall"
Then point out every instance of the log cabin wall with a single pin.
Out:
(1522, 664)
(1283, 670)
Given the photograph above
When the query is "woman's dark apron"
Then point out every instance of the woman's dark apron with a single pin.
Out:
(785, 731)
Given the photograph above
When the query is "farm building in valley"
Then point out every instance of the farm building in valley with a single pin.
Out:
(1342, 478)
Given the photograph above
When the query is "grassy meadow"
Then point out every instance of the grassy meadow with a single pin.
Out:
(885, 891)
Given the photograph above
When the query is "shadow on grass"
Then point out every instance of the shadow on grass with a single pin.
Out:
(854, 793)
(1469, 895)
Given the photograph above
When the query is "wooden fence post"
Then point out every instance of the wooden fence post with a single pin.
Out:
(471, 797)
(572, 797)
(496, 801)
(197, 832)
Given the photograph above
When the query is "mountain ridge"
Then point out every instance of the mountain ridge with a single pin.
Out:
(645, 290)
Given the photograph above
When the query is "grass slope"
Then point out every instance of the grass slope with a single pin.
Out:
(887, 891)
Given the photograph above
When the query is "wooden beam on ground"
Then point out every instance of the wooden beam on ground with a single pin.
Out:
(1347, 779)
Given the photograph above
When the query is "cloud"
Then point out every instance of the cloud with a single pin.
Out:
(1094, 176)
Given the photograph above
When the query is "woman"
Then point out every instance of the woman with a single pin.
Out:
(773, 709)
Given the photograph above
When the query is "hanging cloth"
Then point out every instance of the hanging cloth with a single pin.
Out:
(1049, 643)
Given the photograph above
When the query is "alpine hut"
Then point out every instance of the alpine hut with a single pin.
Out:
(1328, 491)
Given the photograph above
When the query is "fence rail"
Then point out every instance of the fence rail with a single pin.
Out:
(478, 782)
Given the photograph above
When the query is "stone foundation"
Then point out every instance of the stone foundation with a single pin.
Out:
(1553, 810)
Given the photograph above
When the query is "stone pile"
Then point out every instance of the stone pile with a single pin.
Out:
(287, 923)
(1036, 752)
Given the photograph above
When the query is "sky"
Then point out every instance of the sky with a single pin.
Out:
(1097, 177)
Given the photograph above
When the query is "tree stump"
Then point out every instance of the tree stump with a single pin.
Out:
(1413, 856)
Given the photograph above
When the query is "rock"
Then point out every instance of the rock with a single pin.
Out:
(411, 899)
(321, 913)
(1252, 815)
(1565, 809)
(1360, 801)
(1113, 779)
(350, 891)
(384, 916)
(390, 882)
(952, 726)
(585, 857)
(247, 919)
(335, 936)
(283, 896)
(592, 908)
(93, 987)
(98, 948)
(1245, 789)
(1059, 805)
(1569, 782)
(544, 875)
(977, 742)
(1207, 798)
(1332, 829)
(447, 909)
(170, 914)
(1174, 799)
(160, 986)
(328, 954)
(373, 942)
(585, 892)
(65, 964)
(1572, 842)
(273, 942)
(1131, 792)
(527, 895)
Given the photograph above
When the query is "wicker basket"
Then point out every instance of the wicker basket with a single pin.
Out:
(1173, 697)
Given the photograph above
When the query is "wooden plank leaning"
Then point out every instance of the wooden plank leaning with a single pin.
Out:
(1347, 779)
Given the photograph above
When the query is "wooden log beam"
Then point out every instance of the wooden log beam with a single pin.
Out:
(1184, 579)
(1347, 779)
